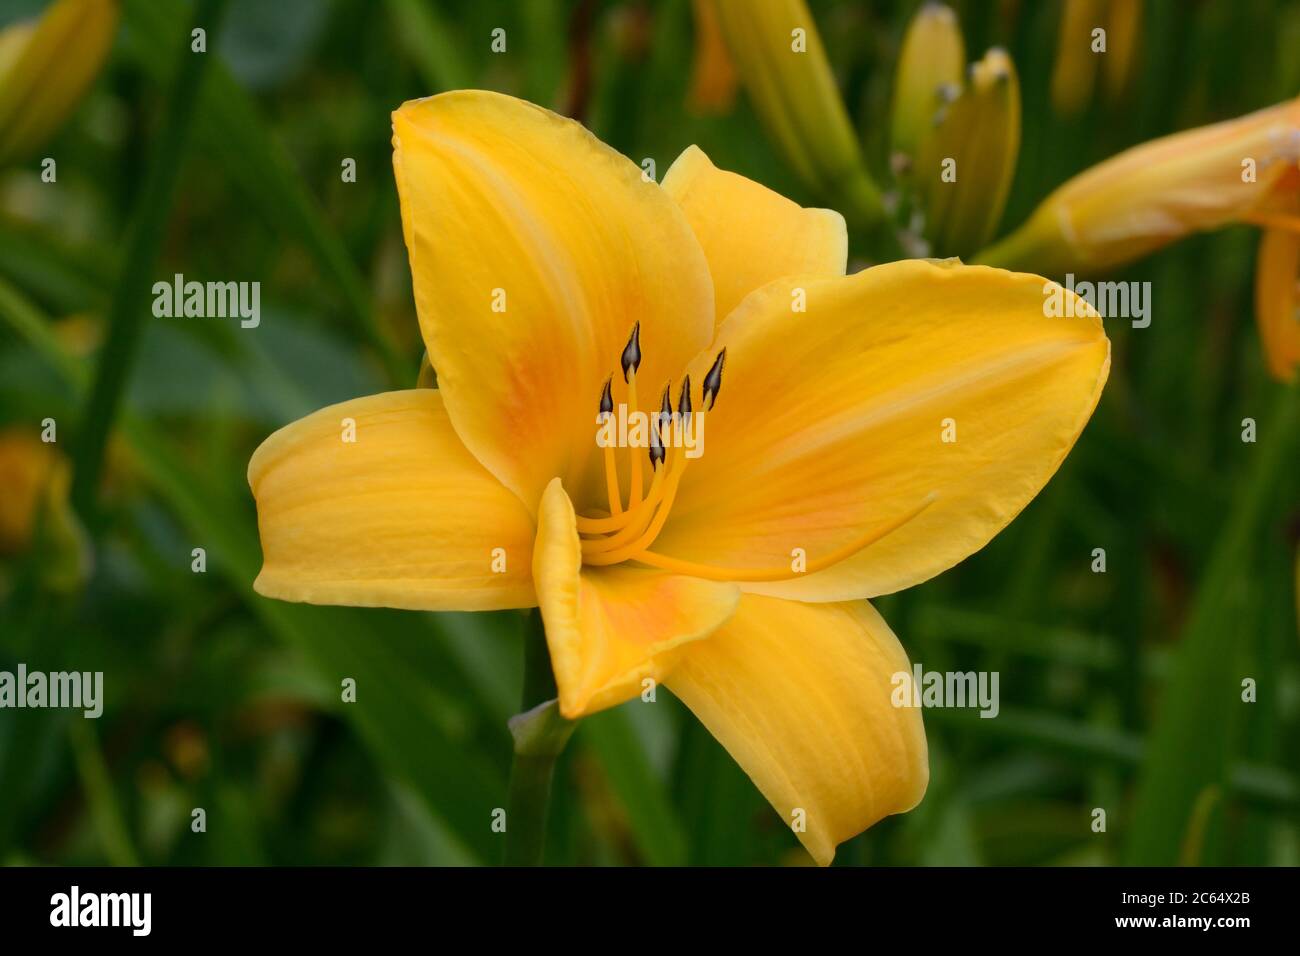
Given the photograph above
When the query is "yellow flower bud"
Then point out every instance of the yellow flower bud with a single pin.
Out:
(782, 64)
(1241, 170)
(968, 163)
(46, 67)
(932, 57)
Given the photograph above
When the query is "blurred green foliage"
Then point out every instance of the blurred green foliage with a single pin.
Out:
(1119, 690)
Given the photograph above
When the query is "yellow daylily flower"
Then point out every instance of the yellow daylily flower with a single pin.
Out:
(550, 281)
(46, 65)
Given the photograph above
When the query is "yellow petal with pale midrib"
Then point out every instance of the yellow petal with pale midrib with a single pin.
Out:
(801, 695)
(401, 517)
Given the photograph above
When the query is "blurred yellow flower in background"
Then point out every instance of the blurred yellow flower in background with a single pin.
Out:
(34, 508)
(46, 66)
(713, 75)
(1095, 37)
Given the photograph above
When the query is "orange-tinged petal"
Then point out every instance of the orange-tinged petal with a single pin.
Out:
(1277, 270)
(903, 381)
(750, 234)
(609, 629)
(801, 695)
(534, 250)
(403, 516)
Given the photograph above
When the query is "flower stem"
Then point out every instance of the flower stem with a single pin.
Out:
(127, 310)
(540, 734)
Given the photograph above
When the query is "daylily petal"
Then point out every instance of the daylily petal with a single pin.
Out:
(608, 629)
(834, 421)
(750, 234)
(801, 697)
(534, 249)
(1277, 271)
(403, 516)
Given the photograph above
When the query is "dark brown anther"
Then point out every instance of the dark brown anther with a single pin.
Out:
(632, 352)
(713, 381)
(607, 399)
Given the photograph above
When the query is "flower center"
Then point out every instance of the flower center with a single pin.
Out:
(628, 532)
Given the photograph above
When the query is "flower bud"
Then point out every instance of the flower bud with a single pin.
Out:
(46, 66)
(969, 161)
(931, 58)
(782, 64)
(1155, 193)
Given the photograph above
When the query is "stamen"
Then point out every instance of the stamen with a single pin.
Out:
(611, 466)
(662, 420)
(590, 525)
(619, 519)
(635, 526)
(612, 489)
(634, 496)
(645, 540)
(712, 573)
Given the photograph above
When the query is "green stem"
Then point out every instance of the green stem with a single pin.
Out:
(540, 734)
(127, 311)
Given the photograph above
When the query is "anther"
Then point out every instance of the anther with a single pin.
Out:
(632, 352)
(656, 449)
(684, 403)
(666, 407)
(713, 381)
(607, 399)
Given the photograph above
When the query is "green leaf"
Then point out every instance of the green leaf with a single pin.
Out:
(655, 827)
(1189, 747)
